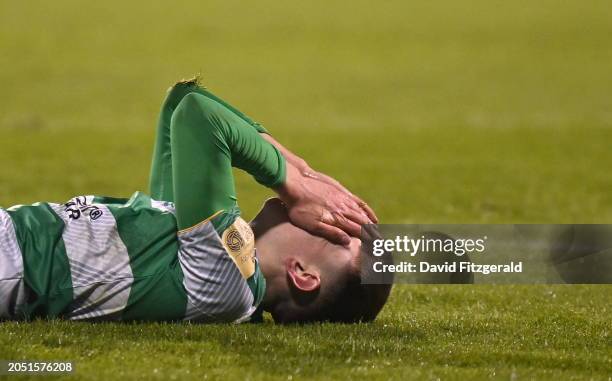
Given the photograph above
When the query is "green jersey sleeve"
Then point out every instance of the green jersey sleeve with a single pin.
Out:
(160, 183)
(207, 139)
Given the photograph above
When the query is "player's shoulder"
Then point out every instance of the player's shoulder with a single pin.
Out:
(221, 247)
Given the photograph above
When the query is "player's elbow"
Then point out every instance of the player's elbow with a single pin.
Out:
(198, 111)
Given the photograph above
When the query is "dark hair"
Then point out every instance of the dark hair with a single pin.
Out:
(356, 295)
(353, 302)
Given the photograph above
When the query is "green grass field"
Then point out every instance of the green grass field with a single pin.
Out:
(433, 111)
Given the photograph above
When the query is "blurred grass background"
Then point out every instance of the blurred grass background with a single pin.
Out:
(433, 111)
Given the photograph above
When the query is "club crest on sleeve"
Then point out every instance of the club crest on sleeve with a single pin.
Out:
(233, 240)
(239, 241)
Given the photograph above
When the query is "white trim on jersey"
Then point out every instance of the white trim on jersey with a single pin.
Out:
(99, 263)
(216, 291)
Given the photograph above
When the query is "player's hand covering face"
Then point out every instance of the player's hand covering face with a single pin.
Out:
(355, 203)
(321, 205)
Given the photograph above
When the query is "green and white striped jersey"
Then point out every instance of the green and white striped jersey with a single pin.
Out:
(100, 258)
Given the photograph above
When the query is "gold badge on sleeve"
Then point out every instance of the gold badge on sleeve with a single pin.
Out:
(239, 241)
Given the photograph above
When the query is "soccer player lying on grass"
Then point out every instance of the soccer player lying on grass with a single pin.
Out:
(184, 253)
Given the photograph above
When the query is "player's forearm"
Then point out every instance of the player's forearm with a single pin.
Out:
(206, 141)
(253, 154)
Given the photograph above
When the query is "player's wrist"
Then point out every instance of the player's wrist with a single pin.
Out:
(292, 189)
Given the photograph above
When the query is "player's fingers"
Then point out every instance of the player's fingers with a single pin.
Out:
(347, 225)
(371, 219)
(358, 201)
(366, 208)
(332, 233)
(354, 211)
(357, 215)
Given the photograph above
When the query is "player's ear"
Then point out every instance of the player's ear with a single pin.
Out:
(304, 279)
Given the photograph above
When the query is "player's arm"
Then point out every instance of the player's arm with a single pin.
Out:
(207, 139)
(161, 181)
(205, 184)
(350, 211)
(362, 211)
